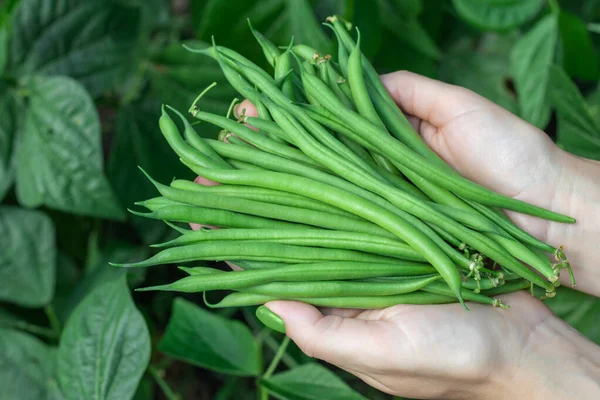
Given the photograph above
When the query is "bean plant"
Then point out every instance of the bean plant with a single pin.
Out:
(83, 86)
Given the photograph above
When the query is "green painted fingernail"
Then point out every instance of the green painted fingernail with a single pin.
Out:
(270, 319)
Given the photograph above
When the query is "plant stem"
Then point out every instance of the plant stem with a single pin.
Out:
(554, 7)
(54, 323)
(263, 394)
(164, 386)
(280, 352)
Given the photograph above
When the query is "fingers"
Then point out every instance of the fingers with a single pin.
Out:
(245, 108)
(427, 99)
(333, 338)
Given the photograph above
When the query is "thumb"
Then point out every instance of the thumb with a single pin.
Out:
(332, 338)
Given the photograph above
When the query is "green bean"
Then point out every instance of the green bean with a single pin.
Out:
(173, 137)
(260, 194)
(315, 129)
(244, 165)
(483, 284)
(508, 287)
(195, 140)
(248, 265)
(212, 216)
(282, 67)
(293, 273)
(344, 168)
(254, 138)
(275, 163)
(349, 202)
(359, 87)
(258, 251)
(443, 289)
(398, 152)
(242, 299)
(270, 51)
(305, 237)
(335, 80)
(305, 52)
(285, 290)
(385, 105)
(473, 219)
(273, 211)
(511, 228)
(234, 140)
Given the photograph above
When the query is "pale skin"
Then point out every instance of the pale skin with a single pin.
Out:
(444, 352)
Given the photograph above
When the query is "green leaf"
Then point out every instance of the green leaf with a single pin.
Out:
(93, 41)
(497, 15)
(366, 16)
(8, 132)
(3, 47)
(178, 75)
(60, 155)
(99, 272)
(309, 382)
(278, 20)
(210, 341)
(578, 309)
(530, 63)
(27, 258)
(26, 365)
(407, 29)
(579, 57)
(578, 130)
(105, 346)
(481, 66)
(395, 55)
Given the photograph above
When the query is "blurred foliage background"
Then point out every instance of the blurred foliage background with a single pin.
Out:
(81, 83)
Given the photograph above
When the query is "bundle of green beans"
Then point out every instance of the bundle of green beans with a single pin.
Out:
(330, 197)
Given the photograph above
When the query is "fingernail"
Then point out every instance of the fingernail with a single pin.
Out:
(235, 110)
(270, 319)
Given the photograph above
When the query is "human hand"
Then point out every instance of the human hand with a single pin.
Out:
(490, 146)
(442, 351)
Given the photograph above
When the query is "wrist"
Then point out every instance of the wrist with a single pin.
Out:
(556, 363)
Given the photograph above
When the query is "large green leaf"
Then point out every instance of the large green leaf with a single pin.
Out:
(498, 15)
(25, 365)
(208, 340)
(579, 310)
(3, 47)
(578, 130)
(309, 382)
(279, 20)
(92, 41)
(530, 63)
(481, 66)
(178, 75)
(8, 131)
(105, 346)
(99, 272)
(28, 257)
(60, 155)
(408, 30)
(579, 58)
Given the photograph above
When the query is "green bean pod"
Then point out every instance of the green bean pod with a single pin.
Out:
(270, 51)
(288, 290)
(260, 194)
(305, 237)
(242, 299)
(257, 251)
(508, 287)
(443, 289)
(293, 273)
(212, 216)
(273, 211)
